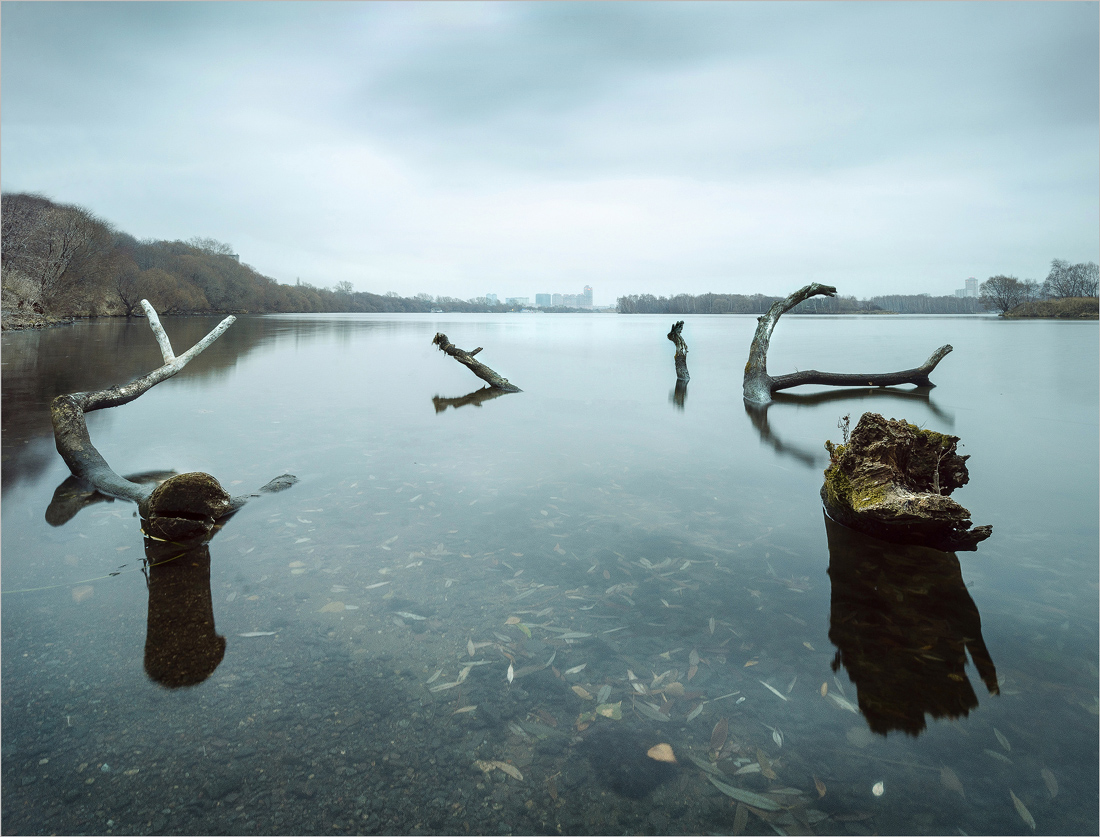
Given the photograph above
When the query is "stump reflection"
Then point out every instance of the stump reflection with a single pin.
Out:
(182, 646)
(902, 622)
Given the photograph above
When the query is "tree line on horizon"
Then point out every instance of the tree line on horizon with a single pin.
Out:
(711, 303)
(61, 260)
(1001, 293)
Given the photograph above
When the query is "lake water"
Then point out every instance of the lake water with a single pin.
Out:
(337, 660)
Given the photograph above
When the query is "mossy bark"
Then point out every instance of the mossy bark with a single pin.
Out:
(892, 481)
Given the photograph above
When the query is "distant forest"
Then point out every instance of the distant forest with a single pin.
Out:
(60, 260)
(759, 304)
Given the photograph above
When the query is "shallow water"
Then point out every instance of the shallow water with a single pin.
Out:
(596, 519)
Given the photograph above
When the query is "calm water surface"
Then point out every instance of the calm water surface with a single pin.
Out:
(654, 566)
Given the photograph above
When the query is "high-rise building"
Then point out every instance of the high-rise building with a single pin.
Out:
(587, 296)
(971, 286)
(555, 300)
(570, 301)
(491, 299)
(542, 300)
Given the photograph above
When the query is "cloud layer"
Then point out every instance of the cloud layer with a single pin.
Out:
(463, 148)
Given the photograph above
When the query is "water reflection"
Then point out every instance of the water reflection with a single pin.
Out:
(182, 646)
(758, 415)
(477, 398)
(679, 395)
(903, 621)
(75, 494)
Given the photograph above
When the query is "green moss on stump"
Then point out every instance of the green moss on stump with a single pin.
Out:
(892, 480)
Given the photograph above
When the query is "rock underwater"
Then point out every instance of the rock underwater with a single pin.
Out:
(892, 480)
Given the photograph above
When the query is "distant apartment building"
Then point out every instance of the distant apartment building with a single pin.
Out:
(971, 289)
(491, 299)
(581, 300)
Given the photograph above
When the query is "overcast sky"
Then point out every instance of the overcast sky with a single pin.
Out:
(519, 148)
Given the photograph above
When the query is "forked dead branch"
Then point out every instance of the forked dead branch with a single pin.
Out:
(759, 386)
(477, 367)
(677, 337)
(184, 506)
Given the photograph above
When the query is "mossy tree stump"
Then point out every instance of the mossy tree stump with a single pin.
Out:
(892, 480)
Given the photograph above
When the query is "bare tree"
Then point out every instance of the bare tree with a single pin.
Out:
(1002, 293)
(759, 386)
(212, 246)
(1071, 280)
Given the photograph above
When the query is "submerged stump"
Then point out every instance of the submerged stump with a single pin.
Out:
(677, 337)
(892, 480)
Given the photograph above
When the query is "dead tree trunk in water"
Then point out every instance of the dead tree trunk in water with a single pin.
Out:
(477, 367)
(182, 507)
(759, 386)
(677, 338)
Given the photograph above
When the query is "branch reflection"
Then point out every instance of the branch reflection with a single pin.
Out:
(679, 395)
(903, 622)
(758, 415)
(477, 397)
(74, 494)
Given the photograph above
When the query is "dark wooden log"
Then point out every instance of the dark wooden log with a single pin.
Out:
(192, 502)
(477, 367)
(759, 386)
(677, 338)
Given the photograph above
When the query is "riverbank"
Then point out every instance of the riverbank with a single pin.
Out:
(1073, 308)
(20, 320)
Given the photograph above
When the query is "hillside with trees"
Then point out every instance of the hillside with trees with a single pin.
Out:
(61, 261)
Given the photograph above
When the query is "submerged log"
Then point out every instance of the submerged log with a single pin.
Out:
(677, 338)
(184, 503)
(477, 367)
(759, 386)
(892, 479)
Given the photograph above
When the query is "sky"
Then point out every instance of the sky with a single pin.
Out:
(465, 148)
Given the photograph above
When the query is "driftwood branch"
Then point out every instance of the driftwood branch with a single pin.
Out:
(185, 505)
(677, 338)
(477, 367)
(759, 386)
